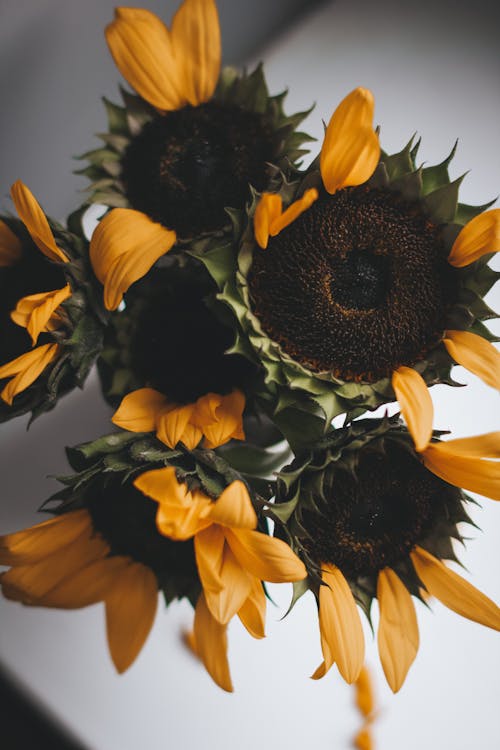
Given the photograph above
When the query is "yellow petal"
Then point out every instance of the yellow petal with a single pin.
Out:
(293, 211)
(475, 354)
(209, 550)
(340, 624)
(398, 637)
(267, 211)
(220, 417)
(235, 588)
(234, 508)
(11, 248)
(139, 410)
(416, 404)
(124, 246)
(351, 148)
(35, 311)
(468, 472)
(479, 237)
(33, 544)
(365, 700)
(363, 740)
(26, 369)
(172, 424)
(191, 436)
(130, 612)
(196, 41)
(142, 49)
(265, 557)
(454, 591)
(487, 445)
(35, 221)
(253, 612)
(211, 645)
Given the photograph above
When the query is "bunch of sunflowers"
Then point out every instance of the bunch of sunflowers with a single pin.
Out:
(235, 304)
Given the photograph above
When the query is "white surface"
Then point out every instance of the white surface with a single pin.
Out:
(432, 70)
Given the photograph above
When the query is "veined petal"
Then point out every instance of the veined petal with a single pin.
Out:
(142, 49)
(34, 544)
(130, 612)
(454, 591)
(234, 508)
(209, 550)
(475, 354)
(265, 557)
(196, 41)
(479, 237)
(35, 221)
(253, 612)
(139, 410)
(191, 436)
(124, 246)
(398, 638)
(172, 423)
(469, 472)
(26, 369)
(211, 645)
(416, 404)
(236, 585)
(227, 418)
(351, 149)
(340, 625)
(11, 248)
(293, 211)
(35, 311)
(268, 210)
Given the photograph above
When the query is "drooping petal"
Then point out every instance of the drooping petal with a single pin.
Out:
(33, 544)
(468, 472)
(196, 41)
(475, 354)
(191, 436)
(25, 369)
(398, 637)
(211, 645)
(11, 248)
(124, 246)
(253, 612)
(130, 612)
(365, 700)
(172, 423)
(351, 148)
(265, 557)
(363, 740)
(268, 210)
(220, 417)
(340, 626)
(35, 221)
(142, 49)
(454, 591)
(139, 410)
(209, 550)
(483, 446)
(479, 237)
(234, 508)
(236, 585)
(416, 404)
(35, 311)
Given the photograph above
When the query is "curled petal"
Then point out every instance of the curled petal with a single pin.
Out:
(210, 639)
(351, 148)
(233, 508)
(220, 417)
(265, 557)
(475, 354)
(35, 221)
(11, 248)
(467, 471)
(124, 246)
(293, 211)
(139, 410)
(26, 369)
(36, 311)
(235, 588)
(253, 612)
(479, 237)
(267, 211)
(172, 424)
(416, 404)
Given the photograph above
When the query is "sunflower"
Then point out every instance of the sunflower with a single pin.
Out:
(50, 330)
(375, 518)
(370, 283)
(194, 138)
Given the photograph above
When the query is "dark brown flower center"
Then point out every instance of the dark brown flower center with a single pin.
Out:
(358, 285)
(186, 167)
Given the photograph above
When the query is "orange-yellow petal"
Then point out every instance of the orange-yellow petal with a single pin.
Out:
(235, 588)
(475, 354)
(35, 221)
(363, 740)
(351, 148)
(293, 211)
(196, 42)
(124, 246)
(211, 645)
(172, 424)
(139, 410)
(479, 237)
(143, 52)
(253, 612)
(25, 370)
(454, 591)
(265, 557)
(342, 637)
(398, 637)
(11, 248)
(234, 508)
(267, 211)
(468, 472)
(483, 446)
(220, 417)
(416, 404)
(209, 550)
(364, 697)
(130, 612)
(35, 311)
